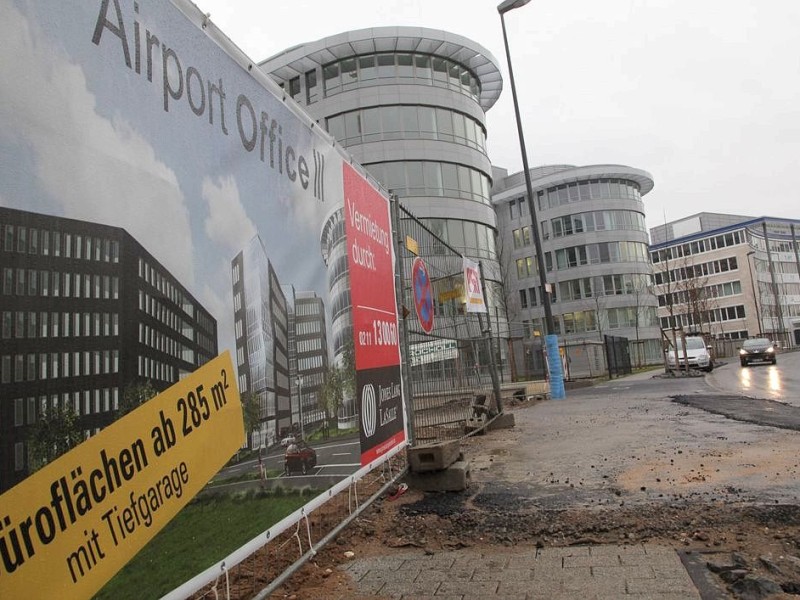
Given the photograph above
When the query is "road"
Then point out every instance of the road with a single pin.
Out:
(337, 458)
(779, 382)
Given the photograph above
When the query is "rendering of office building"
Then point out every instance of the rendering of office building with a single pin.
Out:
(729, 276)
(594, 239)
(311, 343)
(261, 328)
(86, 312)
(409, 104)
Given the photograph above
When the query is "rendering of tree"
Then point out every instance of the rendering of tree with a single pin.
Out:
(133, 396)
(55, 433)
(251, 415)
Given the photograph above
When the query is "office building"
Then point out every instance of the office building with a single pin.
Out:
(409, 104)
(261, 329)
(729, 277)
(594, 239)
(86, 312)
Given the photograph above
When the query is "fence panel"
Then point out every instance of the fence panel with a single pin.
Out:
(450, 363)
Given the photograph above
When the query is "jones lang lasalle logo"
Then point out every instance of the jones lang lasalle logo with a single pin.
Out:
(369, 410)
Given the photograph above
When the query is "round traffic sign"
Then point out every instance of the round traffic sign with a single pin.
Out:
(423, 294)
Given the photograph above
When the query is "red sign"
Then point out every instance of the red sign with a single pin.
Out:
(370, 259)
(423, 294)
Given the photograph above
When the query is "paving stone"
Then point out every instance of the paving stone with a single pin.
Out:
(661, 586)
(502, 575)
(480, 588)
(463, 574)
(628, 572)
(609, 560)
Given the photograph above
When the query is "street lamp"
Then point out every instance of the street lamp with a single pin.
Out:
(755, 297)
(300, 404)
(554, 359)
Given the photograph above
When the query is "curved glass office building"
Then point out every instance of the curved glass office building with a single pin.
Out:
(409, 104)
(595, 243)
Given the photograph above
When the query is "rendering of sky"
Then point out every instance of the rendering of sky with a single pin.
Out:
(705, 96)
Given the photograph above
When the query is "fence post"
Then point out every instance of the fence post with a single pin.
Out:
(405, 366)
(488, 332)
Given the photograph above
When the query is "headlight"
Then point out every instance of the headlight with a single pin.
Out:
(770, 349)
(742, 351)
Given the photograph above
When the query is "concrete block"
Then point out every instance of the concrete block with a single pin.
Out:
(454, 478)
(433, 457)
(502, 421)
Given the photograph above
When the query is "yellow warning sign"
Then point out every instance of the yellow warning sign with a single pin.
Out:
(68, 528)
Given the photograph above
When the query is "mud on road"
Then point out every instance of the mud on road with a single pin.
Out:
(619, 463)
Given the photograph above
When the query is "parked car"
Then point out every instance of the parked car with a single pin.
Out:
(299, 457)
(757, 349)
(697, 354)
(289, 439)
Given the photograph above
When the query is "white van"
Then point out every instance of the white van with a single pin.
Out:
(699, 356)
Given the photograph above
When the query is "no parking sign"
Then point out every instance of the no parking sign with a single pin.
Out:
(423, 294)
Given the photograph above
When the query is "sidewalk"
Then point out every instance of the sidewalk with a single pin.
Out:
(635, 572)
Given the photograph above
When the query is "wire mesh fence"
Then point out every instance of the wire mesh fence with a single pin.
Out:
(261, 566)
(448, 352)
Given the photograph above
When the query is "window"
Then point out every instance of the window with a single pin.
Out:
(311, 87)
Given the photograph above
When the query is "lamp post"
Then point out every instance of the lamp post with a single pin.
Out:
(755, 297)
(554, 359)
(300, 403)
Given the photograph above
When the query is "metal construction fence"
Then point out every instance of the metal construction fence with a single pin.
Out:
(618, 355)
(449, 371)
(452, 363)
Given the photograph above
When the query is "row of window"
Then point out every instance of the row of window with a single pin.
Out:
(469, 237)
(431, 178)
(733, 238)
(778, 266)
(348, 73)
(32, 324)
(400, 122)
(775, 245)
(592, 189)
(55, 284)
(307, 308)
(83, 403)
(309, 345)
(604, 285)
(307, 328)
(166, 287)
(605, 220)
(310, 363)
(158, 340)
(704, 294)
(164, 314)
(699, 318)
(152, 368)
(600, 253)
(695, 271)
(31, 240)
(589, 287)
(15, 368)
(587, 321)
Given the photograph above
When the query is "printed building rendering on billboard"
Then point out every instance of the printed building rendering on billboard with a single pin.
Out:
(165, 203)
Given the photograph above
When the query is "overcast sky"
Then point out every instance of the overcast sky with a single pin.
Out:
(703, 94)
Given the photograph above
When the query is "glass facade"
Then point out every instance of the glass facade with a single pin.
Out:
(398, 122)
(591, 189)
(431, 178)
(398, 67)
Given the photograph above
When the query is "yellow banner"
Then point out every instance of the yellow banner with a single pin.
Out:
(412, 246)
(68, 528)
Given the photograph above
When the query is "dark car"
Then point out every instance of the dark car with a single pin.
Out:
(299, 458)
(757, 349)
